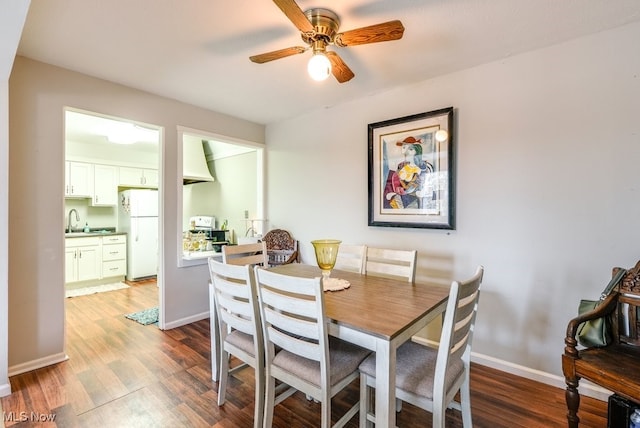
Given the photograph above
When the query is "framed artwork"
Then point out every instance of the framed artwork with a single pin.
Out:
(411, 171)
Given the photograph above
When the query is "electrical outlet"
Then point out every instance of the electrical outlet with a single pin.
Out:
(246, 214)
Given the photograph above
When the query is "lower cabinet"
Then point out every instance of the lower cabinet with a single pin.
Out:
(114, 256)
(95, 258)
(83, 259)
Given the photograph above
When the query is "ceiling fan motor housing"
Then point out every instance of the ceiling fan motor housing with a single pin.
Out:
(325, 23)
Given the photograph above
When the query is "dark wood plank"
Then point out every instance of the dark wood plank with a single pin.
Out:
(121, 373)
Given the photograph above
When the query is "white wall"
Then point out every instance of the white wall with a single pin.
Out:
(38, 94)
(198, 199)
(112, 154)
(547, 151)
(238, 179)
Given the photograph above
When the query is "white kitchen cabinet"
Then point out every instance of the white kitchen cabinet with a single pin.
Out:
(105, 188)
(151, 177)
(138, 177)
(83, 258)
(70, 264)
(114, 255)
(78, 179)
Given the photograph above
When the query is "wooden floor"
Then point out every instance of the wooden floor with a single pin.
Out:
(123, 374)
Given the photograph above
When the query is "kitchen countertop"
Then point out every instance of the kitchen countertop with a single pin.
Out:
(197, 255)
(98, 232)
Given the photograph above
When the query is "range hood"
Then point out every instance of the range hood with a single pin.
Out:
(194, 164)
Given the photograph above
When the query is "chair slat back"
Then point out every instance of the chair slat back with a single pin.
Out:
(235, 299)
(351, 258)
(457, 329)
(245, 254)
(391, 263)
(292, 315)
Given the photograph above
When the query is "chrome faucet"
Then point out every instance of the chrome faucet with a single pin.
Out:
(73, 210)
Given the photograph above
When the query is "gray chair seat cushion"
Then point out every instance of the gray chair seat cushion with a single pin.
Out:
(415, 368)
(344, 359)
(242, 341)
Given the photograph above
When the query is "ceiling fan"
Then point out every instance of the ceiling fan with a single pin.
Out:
(319, 29)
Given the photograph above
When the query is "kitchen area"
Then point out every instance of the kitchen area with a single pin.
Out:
(225, 211)
(112, 203)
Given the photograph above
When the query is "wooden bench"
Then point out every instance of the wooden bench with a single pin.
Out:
(615, 367)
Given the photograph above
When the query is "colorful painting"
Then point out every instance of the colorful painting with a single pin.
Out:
(411, 171)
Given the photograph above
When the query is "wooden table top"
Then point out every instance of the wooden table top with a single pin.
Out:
(379, 306)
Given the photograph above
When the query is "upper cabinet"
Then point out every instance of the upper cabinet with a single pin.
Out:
(105, 189)
(138, 177)
(93, 181)
(100, 182)
(78, 180)
(150, 177)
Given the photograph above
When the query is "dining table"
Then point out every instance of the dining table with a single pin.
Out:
(374, 312)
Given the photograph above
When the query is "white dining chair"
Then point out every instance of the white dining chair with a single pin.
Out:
(430, 378)
(351, 258)
(391, 263)
(292, 313)
(238, 255)
(239, 328)
(246, 254)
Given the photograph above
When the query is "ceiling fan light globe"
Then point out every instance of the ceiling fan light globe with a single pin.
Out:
(319, 67)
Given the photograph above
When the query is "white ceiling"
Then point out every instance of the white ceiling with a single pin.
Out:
(197, 51)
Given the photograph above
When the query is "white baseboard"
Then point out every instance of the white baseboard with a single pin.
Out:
(586, 388)
(5, 390)
(184, 321)
(37, 364)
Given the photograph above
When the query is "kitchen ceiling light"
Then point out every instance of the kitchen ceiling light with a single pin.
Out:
(129, 133)
(319, 67)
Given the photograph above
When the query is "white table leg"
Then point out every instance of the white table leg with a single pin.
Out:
(385, 385)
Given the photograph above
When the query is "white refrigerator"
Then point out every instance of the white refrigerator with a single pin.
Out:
(138, 217)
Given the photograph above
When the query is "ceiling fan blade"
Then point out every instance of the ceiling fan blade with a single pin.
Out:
(392, 30)
(295, 15)
(339, 69)
(282, 53)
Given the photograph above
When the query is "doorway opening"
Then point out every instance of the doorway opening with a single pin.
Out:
(107, 160)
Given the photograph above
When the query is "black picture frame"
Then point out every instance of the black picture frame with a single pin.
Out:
(412, 171)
